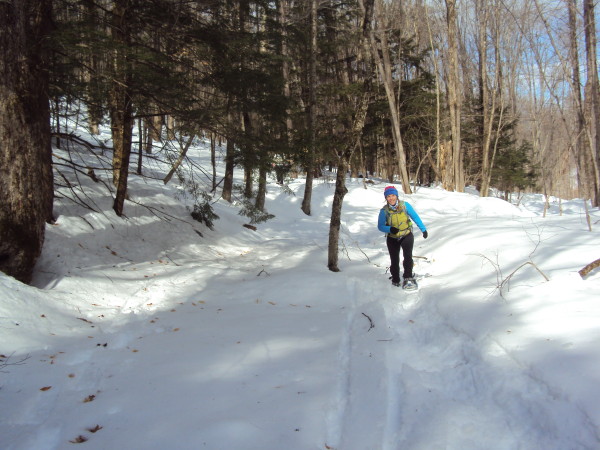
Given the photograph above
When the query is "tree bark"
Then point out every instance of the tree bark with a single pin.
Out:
(336, 216)
(592, 92)
(120, 103)
(352, 143)
(26, 181)
(229, 166)
(261, 192)
(454, 96)
(312, 111)
(587, 269)
(180, 158)
(484, 97)
(229, 154)
(582, 160)
(213, 160)
(384, 66)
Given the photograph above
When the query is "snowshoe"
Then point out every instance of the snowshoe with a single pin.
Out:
(410, 284)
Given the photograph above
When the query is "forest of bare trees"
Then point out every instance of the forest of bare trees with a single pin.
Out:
(502, 95)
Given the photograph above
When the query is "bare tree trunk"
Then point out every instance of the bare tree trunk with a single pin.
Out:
(92, 72)
(438, 103)
(583, 162)
(345, 155)
(229, 166)
(25, 154)
(229, 155)
(312, 112)
(445, 165)
(285, 66)
(592, 92)
(120, 105)
(156, 128)
(148, 134)
(213, 161)
(182, 153)
(262, 186)
(140, 145)
(248, 181)
(384, 66)
(246, 128)
(454, 97)
(170, 128)
(336, 216)
(484, 96)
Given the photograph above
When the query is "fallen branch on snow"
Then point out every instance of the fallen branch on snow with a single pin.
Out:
(371, 324)
(587, 269)
(507, 279)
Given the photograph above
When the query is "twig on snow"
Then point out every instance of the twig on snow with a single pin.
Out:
(371, 324)
(4, 361)
(587, 269)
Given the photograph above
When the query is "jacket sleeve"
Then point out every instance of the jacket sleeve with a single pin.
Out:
(381, 226)
(415, 217)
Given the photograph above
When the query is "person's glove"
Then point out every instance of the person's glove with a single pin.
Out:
(394, 230)
(425, 234)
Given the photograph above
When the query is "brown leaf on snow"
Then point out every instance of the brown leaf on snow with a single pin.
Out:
(96, 428)
(78, 440)
(46, 388)
(85, 320)
(89, 398)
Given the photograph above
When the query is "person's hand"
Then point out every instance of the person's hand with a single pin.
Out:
(425, 234)
(394, 230)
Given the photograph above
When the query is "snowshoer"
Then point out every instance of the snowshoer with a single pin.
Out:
(395, 219)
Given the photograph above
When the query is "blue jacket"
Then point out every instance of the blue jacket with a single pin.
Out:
(411, 213)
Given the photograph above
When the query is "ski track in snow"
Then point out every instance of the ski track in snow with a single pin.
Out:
(408, 361)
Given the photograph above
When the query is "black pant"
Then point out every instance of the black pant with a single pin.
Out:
(406, 243)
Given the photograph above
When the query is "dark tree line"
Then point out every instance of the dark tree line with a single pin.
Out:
(367, 86)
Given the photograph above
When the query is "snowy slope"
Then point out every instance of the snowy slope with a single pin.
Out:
(141, 334)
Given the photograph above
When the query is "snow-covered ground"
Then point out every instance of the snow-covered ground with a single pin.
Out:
(141, 334)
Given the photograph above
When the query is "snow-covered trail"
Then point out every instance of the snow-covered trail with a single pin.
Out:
(432, 384)
(244, 340)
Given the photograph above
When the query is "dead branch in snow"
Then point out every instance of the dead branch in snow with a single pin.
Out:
(371, 324)
(587, 269)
